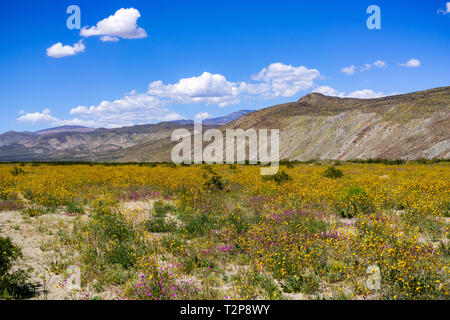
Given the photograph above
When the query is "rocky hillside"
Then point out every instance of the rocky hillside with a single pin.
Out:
(407, 126)
(101, 144)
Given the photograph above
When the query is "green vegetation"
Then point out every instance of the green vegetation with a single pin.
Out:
(13, 284)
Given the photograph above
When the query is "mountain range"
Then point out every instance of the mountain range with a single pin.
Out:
(407, 126)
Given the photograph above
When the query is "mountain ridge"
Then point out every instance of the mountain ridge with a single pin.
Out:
(407, 126)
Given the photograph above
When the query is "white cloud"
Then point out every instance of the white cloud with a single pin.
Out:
(277, 80)
(446, 10)
(280, 80)
(412, 63)
(58, 50)
(380, 64)
(45, 117)
(365, 94)
(366, 67)
(328, 91)
(360, 94)
(349, 70)
(109, 39)
(122, 24)
(203, 116)
(129, 110)
(37, 117)
(207, 88)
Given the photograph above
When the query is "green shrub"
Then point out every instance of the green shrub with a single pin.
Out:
(117, 274)
(332, 173)
(161, 209)
(280, 177)
(354, 200)
(106, 242)
(215, 183)
(10, 205)
(198, 223)
(34, 211)
(13, 284)
(160, 224)
(304, 284)
(73, 207)
(17, 171)
(270, 288)
(335, 270)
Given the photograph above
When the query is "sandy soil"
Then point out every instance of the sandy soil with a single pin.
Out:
(35, 236)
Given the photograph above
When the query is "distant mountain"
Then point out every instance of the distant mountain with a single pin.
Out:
(407, 126)
(11, 137)
(99, 145)
(219, 120)
(64, 129)
(224, 120)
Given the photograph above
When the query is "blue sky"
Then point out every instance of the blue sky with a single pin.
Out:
(186, 59)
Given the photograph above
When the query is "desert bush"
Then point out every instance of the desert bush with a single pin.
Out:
(34, 211)
(74, 208)
(354, 200)
(299, 283)
(334, 270)
(17, 171)
(10, 205)
(332, 172)
(13, 284)
(215, 183)
(160, 225)
(198, 223)
(107, 242)
(280, 177)
(161, 209)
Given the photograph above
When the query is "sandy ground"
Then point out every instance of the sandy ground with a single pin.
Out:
(34, 236)
(37, 238)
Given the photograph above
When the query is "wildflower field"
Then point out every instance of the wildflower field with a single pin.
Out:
(312, 231)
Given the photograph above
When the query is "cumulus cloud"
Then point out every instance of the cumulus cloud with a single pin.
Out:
(380, 64)
(412, 63)
(208, 88)
(328, 91)
(446, 10)
(122, 24)
(367, 66)
(129, 110)
(37, 117)
(45, 117)
(280, 80)
(349, 70)
(109, 39)
(276, 80)
(360, 94)
(58, 50)
(203, 116)
(365, 94)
